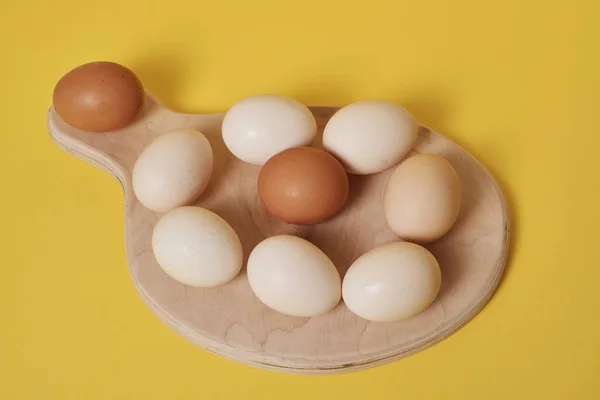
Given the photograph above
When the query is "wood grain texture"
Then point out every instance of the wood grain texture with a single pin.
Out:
(231, 322)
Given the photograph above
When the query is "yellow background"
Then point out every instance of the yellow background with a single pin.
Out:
(516, 82)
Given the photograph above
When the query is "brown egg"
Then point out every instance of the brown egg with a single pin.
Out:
(422, 198)
(99, 97)
(303, 185)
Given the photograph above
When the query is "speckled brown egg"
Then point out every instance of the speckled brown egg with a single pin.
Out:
(303, 185)
(99, 97)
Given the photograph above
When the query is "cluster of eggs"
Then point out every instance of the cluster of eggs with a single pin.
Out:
(297, 183)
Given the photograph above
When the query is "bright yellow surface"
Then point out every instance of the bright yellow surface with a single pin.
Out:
(516, 82)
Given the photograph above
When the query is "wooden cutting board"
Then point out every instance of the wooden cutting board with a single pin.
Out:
(231, 322)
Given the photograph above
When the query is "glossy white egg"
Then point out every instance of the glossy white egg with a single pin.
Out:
(197, 247)
(370, 136)
(173, 170)
(293, 276)
(258, 127)
(392, 282)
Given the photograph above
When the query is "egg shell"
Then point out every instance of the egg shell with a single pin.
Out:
(99, 97)
(293, 276)
(258, 127)
(392, 282)
(303, 185)
(197, 247)
(422, 198)
(173, 170)
(370, 136)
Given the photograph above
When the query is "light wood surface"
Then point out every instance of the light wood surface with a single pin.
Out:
(231, 322)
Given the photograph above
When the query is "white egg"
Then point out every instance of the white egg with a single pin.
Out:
(293, 276)
(197, 247)
(258, 127)
(173, 170)
(392, 282)
(370, 136)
